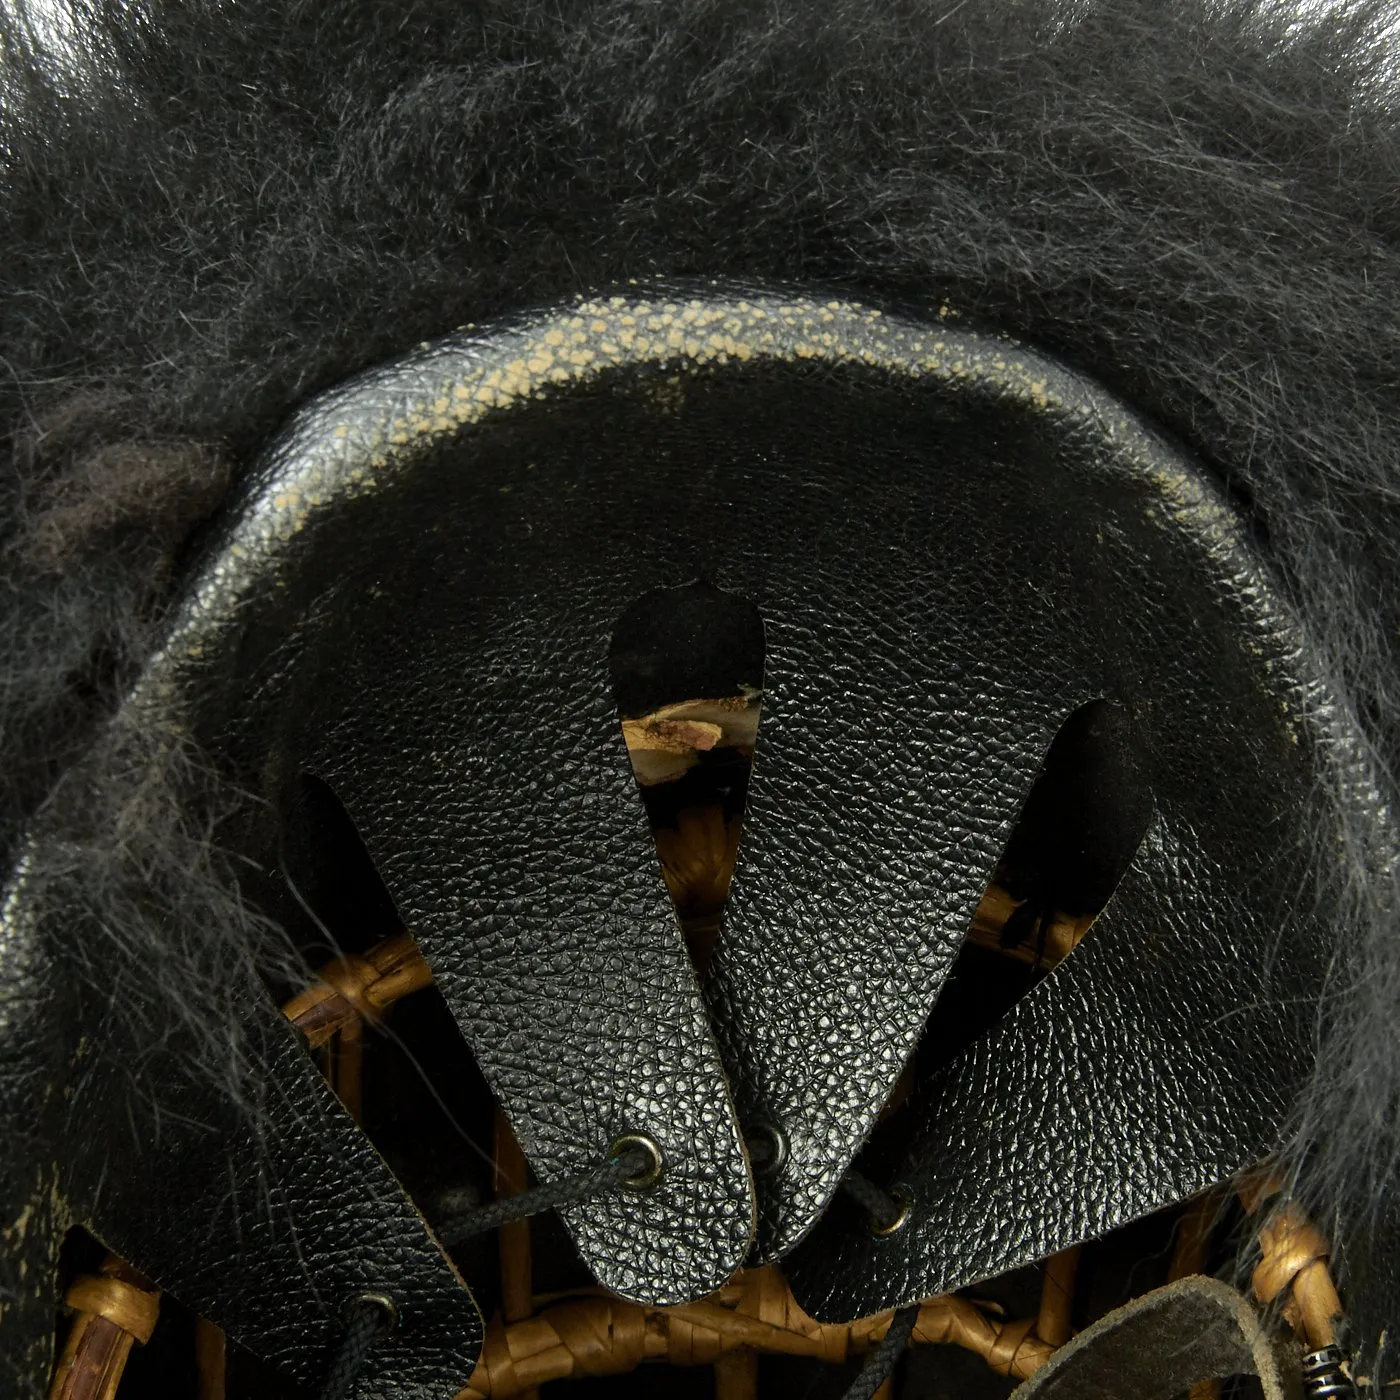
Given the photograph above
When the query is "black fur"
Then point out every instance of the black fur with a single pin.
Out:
(210, 210)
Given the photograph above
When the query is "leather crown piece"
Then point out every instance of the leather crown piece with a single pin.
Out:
(955, 545)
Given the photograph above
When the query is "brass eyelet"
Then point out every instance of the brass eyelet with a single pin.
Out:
(631, 1142)
(905, 1199)
(382, 1304)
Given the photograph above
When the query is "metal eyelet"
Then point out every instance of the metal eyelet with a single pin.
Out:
(633, 1142)
(382, 1304)
(902, 1195)
(768, 1148)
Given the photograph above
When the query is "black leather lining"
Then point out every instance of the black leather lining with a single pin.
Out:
(272, 1235)
(267, 1221)
(954, 544)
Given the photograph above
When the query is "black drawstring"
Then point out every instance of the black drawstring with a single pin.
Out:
(368, 1316)
(615, 1172)
(368, 1321)
(628, 1165)
(879, 1365)
(371, 1318)
(886, 1210)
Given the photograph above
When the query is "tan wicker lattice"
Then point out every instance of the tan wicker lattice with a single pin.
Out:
(116, 1308)
(603, 1336)
(596, 1335)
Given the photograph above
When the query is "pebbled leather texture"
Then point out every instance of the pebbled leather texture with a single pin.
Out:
(1162, 1057)
(290, 1229)
(954, 543)
(417, 608)
(266, 1223)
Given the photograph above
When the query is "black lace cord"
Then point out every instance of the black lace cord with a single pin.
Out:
(368, 1319)
(553, 1195)
(888, 1210)
(879, 1365)
(365, 1326)
(885, 1211)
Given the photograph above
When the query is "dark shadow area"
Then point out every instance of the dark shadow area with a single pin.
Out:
(1081, 825)
(687, 667)
(1078, 830)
